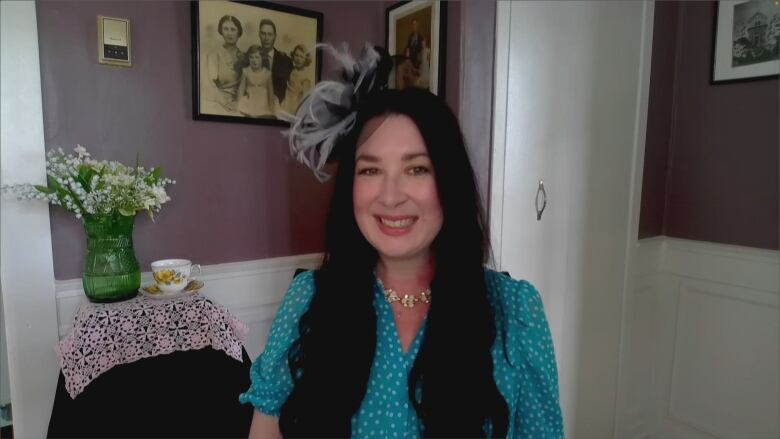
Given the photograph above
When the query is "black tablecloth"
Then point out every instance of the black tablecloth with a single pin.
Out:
(182, 394)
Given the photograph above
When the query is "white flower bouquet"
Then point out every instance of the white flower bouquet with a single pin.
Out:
(91, 188)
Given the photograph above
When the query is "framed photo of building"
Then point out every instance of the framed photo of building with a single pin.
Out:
(252, 61)
(416, 33)
(746, 41)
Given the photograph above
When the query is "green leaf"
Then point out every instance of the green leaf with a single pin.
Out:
(157, 173)
(53, 183)
(44, 189)
(85, 177)
(83, 170)
(126, 212)
(83, 182)
(61, 191)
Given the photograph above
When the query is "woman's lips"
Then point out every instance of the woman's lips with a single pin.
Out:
(395, 225)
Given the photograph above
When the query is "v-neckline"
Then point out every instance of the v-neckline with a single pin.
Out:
(415, 344)
(415, 341)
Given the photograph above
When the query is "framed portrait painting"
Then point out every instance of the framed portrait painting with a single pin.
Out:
(416, 37)
(746, 41)
(252, 61)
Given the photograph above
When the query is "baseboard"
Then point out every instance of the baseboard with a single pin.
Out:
(252, 290)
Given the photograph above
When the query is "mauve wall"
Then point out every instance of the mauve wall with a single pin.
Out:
(659, 119)
(239, 195)
(477, 46)
(711, 159)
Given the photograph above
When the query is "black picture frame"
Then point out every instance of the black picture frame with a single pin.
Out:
(211, 101)
(725, 52)
(410, 67)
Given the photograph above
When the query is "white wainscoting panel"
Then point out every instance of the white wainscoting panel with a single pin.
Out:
(252, 290)
(725, 361)
(704, 358)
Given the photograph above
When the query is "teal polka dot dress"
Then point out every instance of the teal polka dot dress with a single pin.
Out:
(528, 381)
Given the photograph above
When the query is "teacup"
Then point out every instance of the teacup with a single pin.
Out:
(172, 275)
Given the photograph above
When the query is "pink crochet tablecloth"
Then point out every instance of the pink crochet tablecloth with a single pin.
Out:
(107, 335)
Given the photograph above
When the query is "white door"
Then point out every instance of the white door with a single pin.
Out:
(570, 110)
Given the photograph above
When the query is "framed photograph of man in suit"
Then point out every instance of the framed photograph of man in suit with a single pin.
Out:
(252, 61)
(416, 37)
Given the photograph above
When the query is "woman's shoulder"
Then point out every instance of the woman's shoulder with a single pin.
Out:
(502, 284)
(284, 329)
(517, 299)
(302, 286)
(296, 299)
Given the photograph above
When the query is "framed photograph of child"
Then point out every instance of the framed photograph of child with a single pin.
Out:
(416, 33)
(746, 41)
(252, 61)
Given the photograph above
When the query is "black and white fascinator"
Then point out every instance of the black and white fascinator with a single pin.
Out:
(328, 112)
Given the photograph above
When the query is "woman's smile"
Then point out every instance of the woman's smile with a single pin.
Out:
(396, 226)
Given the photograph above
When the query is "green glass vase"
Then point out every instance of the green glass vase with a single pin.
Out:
(111, 272)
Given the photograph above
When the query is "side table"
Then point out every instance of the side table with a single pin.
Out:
(152, 368)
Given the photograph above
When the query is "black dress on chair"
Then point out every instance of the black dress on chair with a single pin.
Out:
(182, 394)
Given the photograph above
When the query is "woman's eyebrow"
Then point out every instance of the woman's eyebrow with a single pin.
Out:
(405, 157)
(408, 157)
(367, 158)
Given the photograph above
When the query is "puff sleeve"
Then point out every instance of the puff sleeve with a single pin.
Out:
(531, 374)
(271, 379)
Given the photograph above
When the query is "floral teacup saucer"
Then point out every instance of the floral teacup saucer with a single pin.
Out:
(154, 292)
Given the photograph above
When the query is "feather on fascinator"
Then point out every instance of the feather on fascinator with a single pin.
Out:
(329, 111)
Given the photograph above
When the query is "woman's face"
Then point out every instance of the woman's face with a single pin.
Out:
(255, 60)
(396, 202)
(298, 58)
(229, 32)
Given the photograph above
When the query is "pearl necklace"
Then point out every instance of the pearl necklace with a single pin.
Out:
(408, 300)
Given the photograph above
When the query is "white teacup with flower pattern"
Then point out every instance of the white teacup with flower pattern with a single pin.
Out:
(172, 275)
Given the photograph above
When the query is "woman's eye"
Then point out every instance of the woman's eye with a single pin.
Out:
(419, 170)
(368, 171)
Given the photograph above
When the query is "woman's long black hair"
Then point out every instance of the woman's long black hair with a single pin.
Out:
(331, 361)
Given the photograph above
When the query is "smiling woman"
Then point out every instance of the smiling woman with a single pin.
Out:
(396, 202)
(402, 330)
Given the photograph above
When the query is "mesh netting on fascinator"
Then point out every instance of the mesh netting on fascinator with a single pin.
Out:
(328, 112)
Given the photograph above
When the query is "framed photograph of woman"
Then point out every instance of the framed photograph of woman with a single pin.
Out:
(746, 41)
(252, 61)
(416, 33)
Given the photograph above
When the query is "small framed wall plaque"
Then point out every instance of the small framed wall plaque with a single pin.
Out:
(114, 41)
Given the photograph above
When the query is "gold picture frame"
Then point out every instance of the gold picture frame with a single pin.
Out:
(415, 35)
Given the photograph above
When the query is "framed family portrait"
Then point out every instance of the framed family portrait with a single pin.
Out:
(416, 37)
(252, 61)
(746, 41)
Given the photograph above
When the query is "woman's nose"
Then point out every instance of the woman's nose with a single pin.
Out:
(392, 193)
